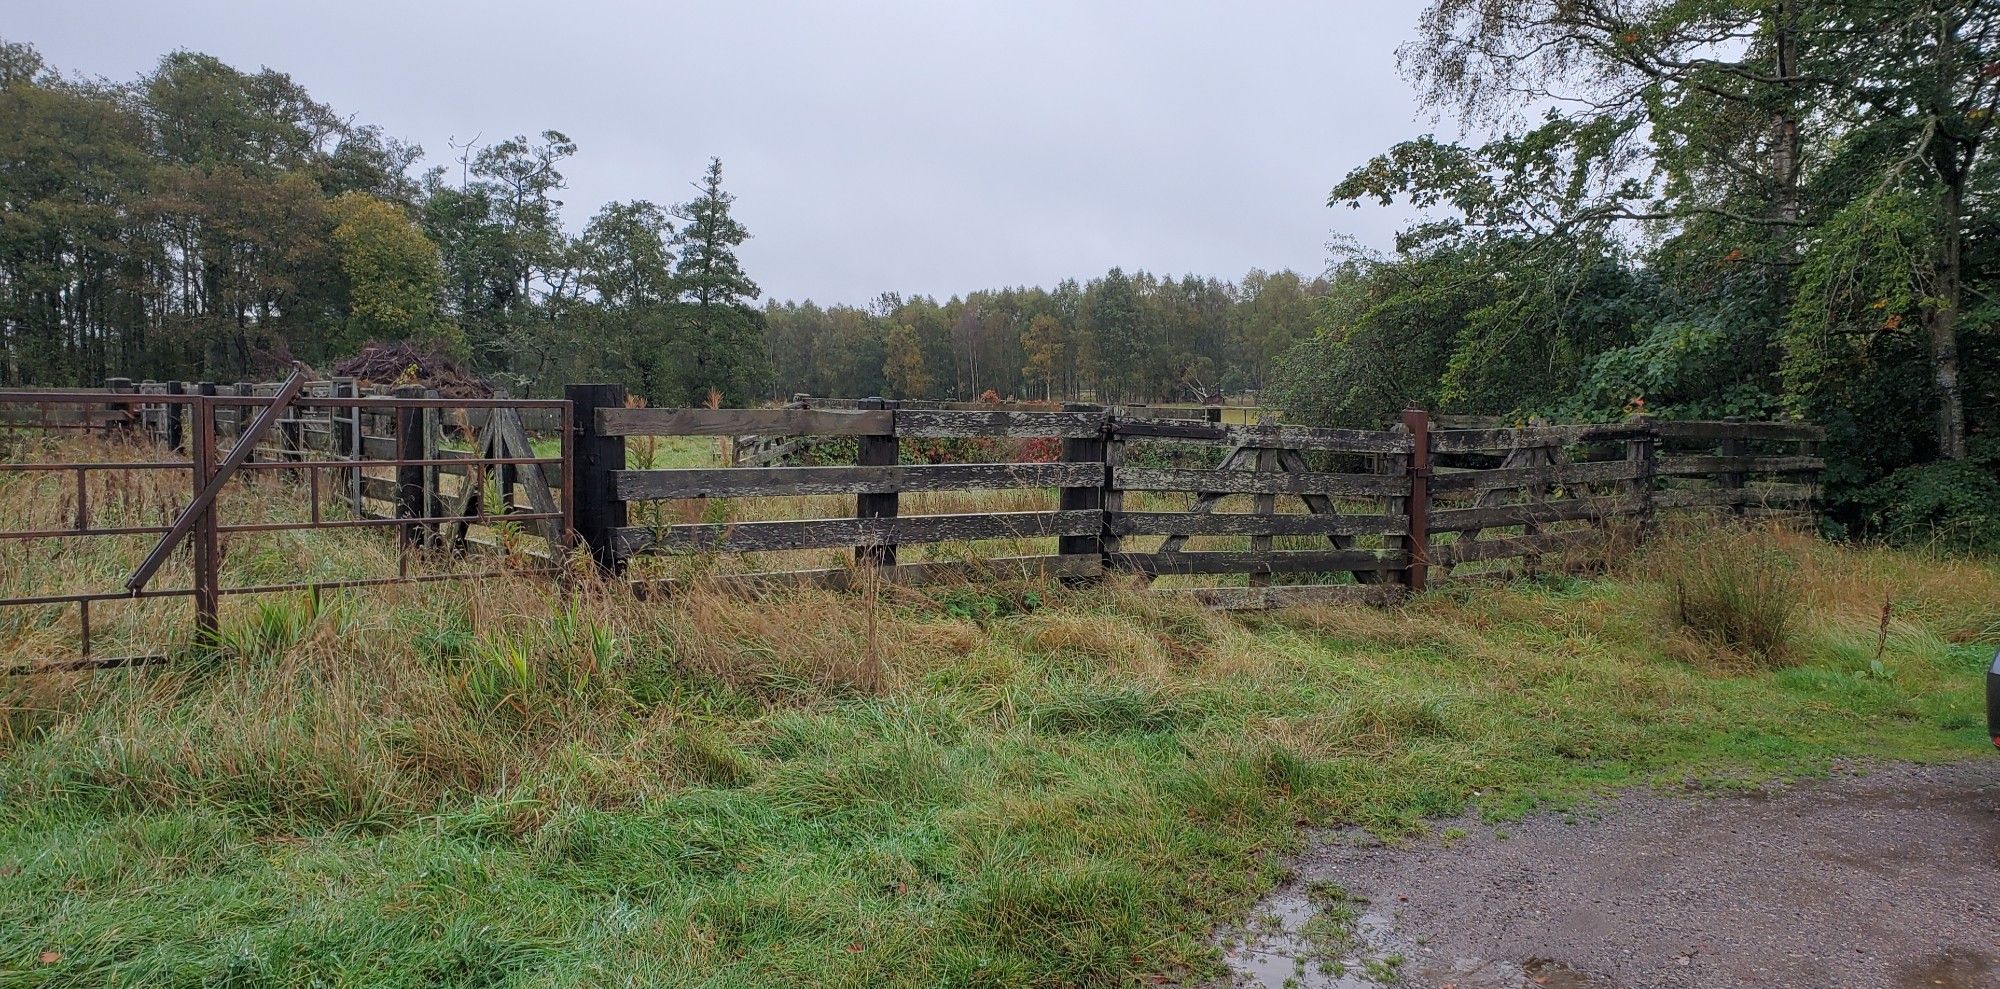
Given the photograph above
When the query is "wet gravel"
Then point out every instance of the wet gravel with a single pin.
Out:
(1884, 877)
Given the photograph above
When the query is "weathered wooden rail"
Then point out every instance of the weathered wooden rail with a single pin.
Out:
(1368, 514)
(1232, 515)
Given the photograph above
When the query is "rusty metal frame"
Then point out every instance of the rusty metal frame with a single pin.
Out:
(214, 478)
(198, 522)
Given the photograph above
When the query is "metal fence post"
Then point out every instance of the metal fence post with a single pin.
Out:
(598, 513)
(881, 450)
(207, 543)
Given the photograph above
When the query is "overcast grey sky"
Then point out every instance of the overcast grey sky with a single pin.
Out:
(921, 147)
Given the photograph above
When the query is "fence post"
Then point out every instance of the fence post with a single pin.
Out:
(207, 545)
(176, 435)
(1083, 450)
(410, 501)
(1641, 451)
(1732, 446)
(1418, 542)
(434, 474)
(121, 386)
(1265, 505)
(877, 451)
(1113, 501)
(597, 511)
(345, 421)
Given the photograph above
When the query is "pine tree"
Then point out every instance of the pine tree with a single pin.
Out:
(721, 345)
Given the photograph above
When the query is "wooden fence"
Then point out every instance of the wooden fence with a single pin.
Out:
(1286, 513)
(1300, 513)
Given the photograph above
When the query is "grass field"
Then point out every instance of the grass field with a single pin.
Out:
(1010, 784)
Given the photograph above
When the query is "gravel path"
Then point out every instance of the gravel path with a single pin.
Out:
(1885, 879)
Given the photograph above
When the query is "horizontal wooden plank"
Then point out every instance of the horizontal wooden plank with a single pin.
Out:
(1499, 549)
(941, 423)
(1243, 524)
(744, 537)
(1289, 595)
(749, 482)
(1514, 477)
(1276, 561)
(1285, 437)
(743, 422)
(378, 487)
(1075, 566)
(1695, 465)
(533, 420)
(1478, 440)
(551, 473)
(1257, 482)
(1564, 510)
(1716, 430)
(1668, 498)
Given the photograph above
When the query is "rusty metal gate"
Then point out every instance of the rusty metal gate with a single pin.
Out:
(443, 473)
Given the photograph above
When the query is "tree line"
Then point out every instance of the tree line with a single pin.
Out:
(1121, 337)
(207, 222)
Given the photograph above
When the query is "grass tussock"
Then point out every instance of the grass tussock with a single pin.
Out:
(999, 784)
(1736, 598)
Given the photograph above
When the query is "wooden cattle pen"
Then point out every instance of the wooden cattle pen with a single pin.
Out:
(836, 492)
(1299, 513)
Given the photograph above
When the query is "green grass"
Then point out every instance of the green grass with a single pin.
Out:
(1011, 785)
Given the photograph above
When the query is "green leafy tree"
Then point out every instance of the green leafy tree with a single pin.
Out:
(394, 280)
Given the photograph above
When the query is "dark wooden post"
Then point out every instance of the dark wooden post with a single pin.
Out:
(1731, 445)
(121, 386)
(1640, 452)
(1418, 543)
(434, 474)
(877, 451)
(1083, 450)
(597, 511)
(1110, 543)
(1267, 506)
(175, 435)
(410, 501)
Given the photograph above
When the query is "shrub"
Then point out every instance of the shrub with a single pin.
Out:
(1740, 594)
(1952, 505)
